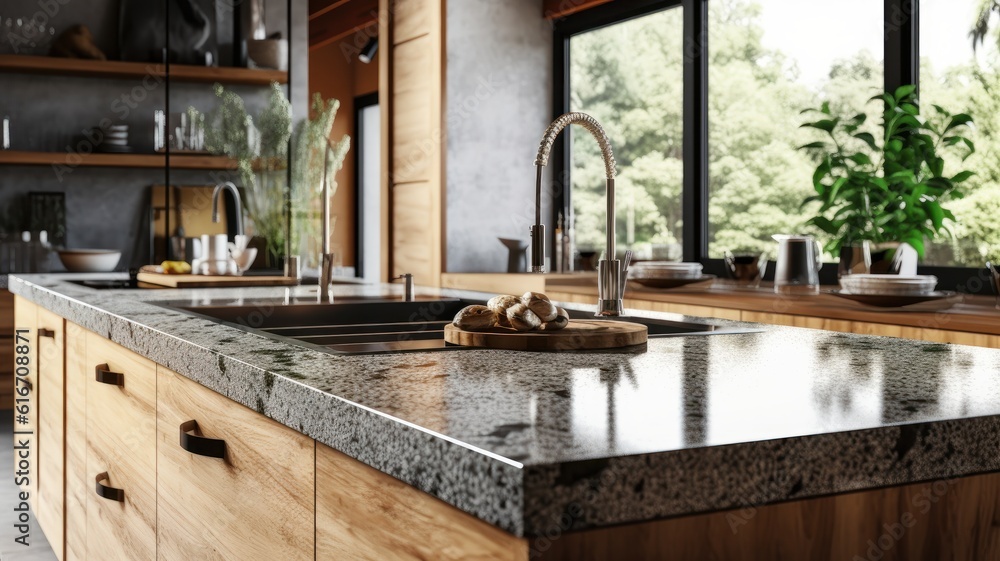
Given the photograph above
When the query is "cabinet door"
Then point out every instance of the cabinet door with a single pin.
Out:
(363, 514)
(231, 484)
(51, 433)
(26, 398)
(6, 350)
(77, 489)
(121, 453)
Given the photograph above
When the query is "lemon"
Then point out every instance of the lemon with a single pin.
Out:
(175, 267)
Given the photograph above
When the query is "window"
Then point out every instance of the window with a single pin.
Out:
(769, 60)
(707, 139)
(963, 80)
(629, 77)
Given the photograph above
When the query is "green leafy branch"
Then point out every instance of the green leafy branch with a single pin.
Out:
(888, 192)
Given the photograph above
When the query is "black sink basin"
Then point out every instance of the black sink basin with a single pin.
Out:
(376, 324)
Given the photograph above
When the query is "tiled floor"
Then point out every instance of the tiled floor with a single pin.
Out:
(38, 548)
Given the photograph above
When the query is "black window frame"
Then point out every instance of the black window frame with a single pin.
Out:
(902, 66)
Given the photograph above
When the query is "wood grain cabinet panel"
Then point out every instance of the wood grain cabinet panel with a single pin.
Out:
(121, 443)
(26, 399)
(411, 78)
(51, 429)
(417, 141)
(363, 514)
(840, 325)
(411, 18)
(6, 350)
(953, 520)
(879, 329)
(955, 337)
(77, 489)
(255, 502)
(768, 318)
(413, 244)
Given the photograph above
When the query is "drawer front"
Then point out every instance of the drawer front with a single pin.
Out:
(26, 400)
(121, 446)
(365, 515)
(51, 430)
(256, 501)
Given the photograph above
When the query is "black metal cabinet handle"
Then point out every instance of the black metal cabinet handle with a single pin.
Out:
(106, 492)
(210, 447)
(42, 332)
(104, 375)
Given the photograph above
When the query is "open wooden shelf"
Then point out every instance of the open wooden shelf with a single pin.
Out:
(116, 69)
(17, 157)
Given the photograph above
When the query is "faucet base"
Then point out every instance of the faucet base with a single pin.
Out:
(609, 308)
(326, 278)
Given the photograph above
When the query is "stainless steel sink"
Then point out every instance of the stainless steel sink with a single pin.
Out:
(375, 324)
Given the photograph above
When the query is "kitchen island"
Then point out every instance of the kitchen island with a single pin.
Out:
(556, 456)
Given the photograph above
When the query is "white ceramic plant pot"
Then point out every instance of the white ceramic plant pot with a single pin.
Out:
(894, 258)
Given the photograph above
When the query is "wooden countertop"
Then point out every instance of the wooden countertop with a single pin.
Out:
(975, 314)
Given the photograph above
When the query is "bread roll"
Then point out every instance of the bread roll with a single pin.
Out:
(475, 318)
(560, 322)
(522, 319)
(540, 304)
(500, 305)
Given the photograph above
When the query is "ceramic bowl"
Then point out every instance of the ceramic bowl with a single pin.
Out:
(268, 53)
(90, 260)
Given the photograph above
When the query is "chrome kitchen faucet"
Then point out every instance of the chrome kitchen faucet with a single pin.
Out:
(611, 272)
(236, 197)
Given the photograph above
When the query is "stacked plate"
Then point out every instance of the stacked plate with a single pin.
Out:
(115, 139)
(912, 293)
(889, 285)
(665, 270)
(667, 274)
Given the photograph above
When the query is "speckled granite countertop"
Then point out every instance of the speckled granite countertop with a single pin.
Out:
(537, 443)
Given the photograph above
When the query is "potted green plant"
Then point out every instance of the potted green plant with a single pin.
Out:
(889, 192)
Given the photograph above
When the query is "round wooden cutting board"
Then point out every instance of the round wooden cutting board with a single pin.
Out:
(579, 335)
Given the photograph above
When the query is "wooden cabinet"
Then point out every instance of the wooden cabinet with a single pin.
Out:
(26, 400)
(411, 82)
(365, 515)
(51, 429)
(236, 485)
(121, 453)
(6, 350)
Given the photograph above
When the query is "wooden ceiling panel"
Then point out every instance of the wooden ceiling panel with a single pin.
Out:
(555, 9)
(336, 20)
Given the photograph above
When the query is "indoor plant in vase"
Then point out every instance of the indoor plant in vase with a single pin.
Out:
(888, 192)
(261, 149)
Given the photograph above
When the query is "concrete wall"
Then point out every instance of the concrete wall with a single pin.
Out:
(499, 100)
(107, 208)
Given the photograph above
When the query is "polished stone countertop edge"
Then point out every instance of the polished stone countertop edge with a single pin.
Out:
(590, 494)
(525, 500)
